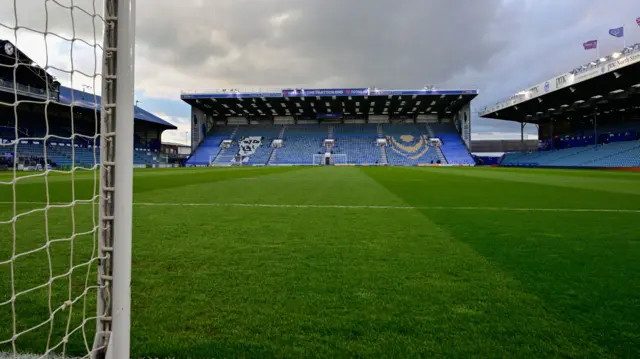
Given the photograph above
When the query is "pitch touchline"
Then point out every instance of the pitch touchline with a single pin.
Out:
(335, 206)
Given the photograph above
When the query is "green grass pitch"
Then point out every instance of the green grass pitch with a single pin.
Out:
(343, 262)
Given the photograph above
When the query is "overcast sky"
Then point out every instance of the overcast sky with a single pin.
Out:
(496, 46)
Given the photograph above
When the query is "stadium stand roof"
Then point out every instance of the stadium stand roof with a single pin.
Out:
(611, 83)
(86, 100)
(328, 103)
(29, 70)
(9, 54)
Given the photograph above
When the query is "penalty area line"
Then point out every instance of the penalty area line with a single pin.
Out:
(371, 207)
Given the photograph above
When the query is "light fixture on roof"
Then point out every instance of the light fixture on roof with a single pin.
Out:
(333, 97)
(349, 98)
(617, 91)
(516, 108)
(418, 103)
(539, 100)
(572, 89)
(579, 101)
(433, 102)
(603, 59)
(596, 97)
(434, 112)
(617, 74)
(615, 55)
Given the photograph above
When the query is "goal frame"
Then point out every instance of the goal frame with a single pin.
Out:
(113, 323)
(333, 156)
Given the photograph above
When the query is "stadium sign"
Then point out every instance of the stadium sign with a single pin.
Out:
(325, 92)
(561, 81)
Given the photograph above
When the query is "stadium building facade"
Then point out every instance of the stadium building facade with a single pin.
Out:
(340, 126)
(587, 117)
(45, 124)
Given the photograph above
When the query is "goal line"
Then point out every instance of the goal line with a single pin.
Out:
(345, 206)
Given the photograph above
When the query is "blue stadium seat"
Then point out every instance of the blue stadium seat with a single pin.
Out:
(616, 154)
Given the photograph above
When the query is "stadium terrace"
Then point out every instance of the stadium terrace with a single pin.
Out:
(341, 126)
(587, 117)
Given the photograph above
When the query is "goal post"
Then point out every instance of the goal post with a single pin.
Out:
(334, 159)
(65, 251)
(116, 172)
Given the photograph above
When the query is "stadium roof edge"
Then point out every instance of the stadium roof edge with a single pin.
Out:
(607, 64)
(301, 92)
(69, 96)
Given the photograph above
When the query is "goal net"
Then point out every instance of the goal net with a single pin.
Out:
(334, 159)
(66, 169)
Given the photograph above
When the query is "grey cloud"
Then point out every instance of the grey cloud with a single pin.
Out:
(391, 43)
(497, 46)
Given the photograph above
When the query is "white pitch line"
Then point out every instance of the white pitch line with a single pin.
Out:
(332, 206)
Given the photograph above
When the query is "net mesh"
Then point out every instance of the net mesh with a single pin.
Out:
(335, 159)
(50, 177)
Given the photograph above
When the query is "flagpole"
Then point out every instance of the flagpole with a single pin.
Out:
(624, 38)
(598, 47)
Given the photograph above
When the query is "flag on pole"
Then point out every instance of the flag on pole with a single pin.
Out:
(638, 21)
(590, 45)
(617, 32)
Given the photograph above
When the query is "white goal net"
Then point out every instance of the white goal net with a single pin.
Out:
(66, 95)
(334, 159)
